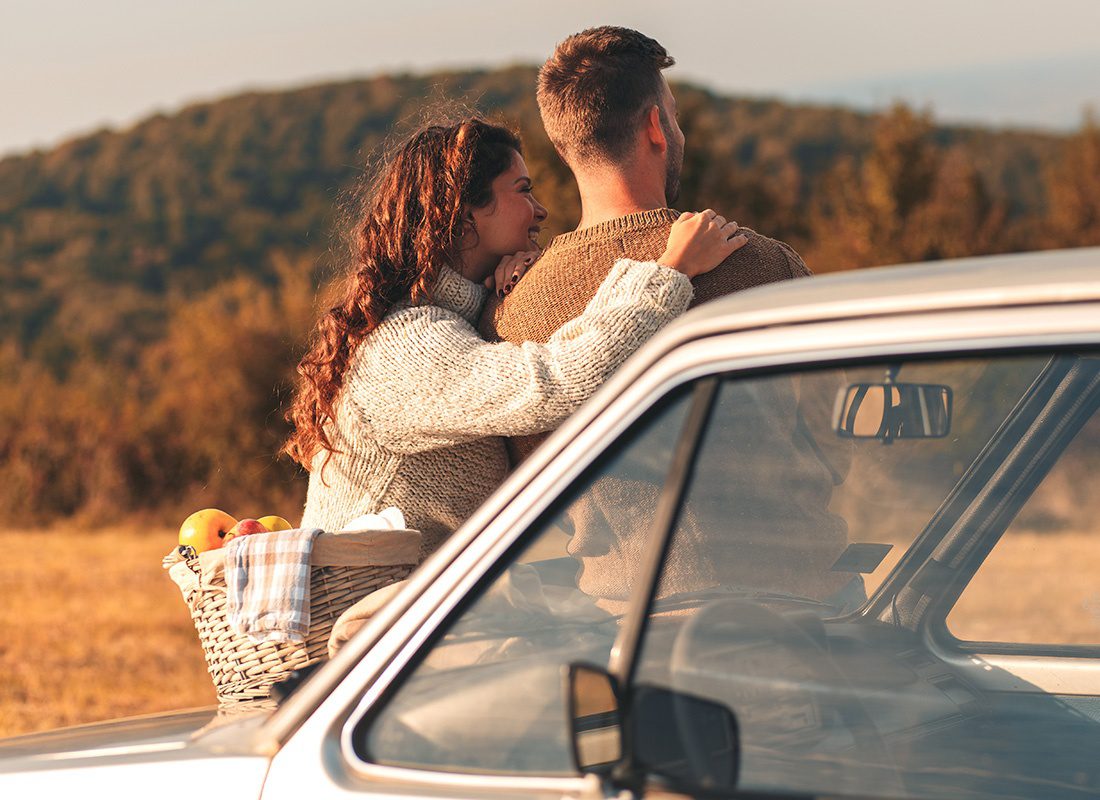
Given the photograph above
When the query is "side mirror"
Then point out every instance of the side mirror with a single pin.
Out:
(595, 720)
(690, 742)
(888, 411)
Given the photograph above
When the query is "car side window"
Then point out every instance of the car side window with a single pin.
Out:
(1038, 585)
(488, 695)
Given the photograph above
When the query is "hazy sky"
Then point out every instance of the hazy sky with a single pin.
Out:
(70, 66)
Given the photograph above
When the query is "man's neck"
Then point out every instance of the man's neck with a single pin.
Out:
(611, 194)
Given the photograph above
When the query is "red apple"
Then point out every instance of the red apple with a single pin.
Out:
(246, 527)
(206, 529)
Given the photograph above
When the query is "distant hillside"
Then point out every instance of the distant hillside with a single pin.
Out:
(177, 204)
(168, 271)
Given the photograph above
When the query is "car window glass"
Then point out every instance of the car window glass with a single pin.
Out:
(787, 531)
(488, 696)
(1038, 585)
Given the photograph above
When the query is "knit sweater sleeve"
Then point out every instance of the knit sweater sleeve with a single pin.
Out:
(424, 379)
(795, 262)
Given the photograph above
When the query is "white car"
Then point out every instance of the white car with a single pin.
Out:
(837, 536)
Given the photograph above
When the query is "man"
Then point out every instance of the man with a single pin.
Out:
(610, 114)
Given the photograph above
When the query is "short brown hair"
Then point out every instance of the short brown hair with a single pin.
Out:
(594, 89)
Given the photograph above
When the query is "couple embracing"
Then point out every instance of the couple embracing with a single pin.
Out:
(414, 384)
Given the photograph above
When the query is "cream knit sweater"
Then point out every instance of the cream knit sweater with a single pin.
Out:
(426, 400)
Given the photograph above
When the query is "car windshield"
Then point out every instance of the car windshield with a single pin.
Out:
(781, 507)
(809, 513)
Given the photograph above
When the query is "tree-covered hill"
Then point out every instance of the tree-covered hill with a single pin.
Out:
(156, 283)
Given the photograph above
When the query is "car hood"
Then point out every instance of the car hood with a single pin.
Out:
(177, 735)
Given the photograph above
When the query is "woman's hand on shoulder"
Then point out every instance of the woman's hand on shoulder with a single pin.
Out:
(510, 270)
(699, 242)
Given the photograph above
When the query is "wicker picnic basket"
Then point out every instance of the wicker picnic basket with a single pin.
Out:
(344, 568)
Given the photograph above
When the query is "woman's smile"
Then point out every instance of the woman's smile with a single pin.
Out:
(533, 235)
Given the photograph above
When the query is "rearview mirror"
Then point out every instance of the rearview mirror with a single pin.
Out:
(888, 411)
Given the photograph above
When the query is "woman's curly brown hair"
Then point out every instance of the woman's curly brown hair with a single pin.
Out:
(412, 223)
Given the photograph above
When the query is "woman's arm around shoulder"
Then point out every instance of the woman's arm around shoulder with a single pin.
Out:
(424, 379)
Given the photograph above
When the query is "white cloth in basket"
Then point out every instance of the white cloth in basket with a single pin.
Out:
(388, 519)
(267, 583)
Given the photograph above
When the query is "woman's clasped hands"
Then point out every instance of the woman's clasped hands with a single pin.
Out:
(510, 270)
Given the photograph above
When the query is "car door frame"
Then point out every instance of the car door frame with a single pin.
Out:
(951, 563)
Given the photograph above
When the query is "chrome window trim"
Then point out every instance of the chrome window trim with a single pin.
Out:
(930, 333)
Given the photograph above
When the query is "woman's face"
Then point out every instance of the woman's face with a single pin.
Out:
(507, 225)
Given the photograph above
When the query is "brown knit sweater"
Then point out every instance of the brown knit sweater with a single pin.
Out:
(557, 287)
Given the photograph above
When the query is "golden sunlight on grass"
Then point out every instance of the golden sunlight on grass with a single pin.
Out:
(1035, 588)
(93, 629)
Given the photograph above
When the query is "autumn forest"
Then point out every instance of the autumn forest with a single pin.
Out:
(157, 284)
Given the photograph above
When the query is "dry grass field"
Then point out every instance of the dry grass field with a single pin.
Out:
(1037, 588)
(92, 628)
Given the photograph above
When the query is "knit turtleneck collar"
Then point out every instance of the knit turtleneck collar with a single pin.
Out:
(455, 293)
(639, 219)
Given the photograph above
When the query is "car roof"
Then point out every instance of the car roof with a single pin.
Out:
(1056, 276)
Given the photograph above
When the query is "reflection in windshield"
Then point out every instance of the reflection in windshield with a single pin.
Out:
(893, 490)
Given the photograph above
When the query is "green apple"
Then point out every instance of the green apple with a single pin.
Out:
(274, 523)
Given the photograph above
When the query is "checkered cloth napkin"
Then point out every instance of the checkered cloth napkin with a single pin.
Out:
(267, 578)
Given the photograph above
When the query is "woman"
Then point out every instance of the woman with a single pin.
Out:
(399, 402)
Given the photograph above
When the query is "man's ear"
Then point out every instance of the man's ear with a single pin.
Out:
(654, 130)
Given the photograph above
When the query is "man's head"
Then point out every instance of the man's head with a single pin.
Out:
(602, 93)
